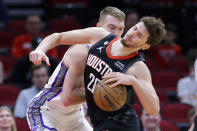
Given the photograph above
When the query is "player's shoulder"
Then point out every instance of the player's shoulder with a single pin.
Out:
(78, 50)
(76, 55)
(139, 69)
(138, 65)
(96, 28)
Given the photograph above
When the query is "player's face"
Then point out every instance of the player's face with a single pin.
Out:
(6, 119)
(136, 36)
(113, 25)
(150, 121)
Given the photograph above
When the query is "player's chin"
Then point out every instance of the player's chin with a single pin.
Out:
(126, 45)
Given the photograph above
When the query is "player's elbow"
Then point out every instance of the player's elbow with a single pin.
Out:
(65, 101)
(57, 37)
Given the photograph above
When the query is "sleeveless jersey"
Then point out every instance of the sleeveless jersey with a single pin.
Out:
(50, 96)
(99, 63)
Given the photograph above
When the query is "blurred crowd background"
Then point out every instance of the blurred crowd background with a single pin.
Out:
(24, 23)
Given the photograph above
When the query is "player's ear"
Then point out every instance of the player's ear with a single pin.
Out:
(98, 24)
(145, 46)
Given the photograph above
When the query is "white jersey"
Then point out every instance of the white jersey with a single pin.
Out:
(46, 111)
(56, 80)
(49, 98)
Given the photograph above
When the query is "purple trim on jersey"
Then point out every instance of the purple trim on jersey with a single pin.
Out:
(60, 84)
(49, 128)
(57, 75)
(35, 128)
(55, 95)
(49, 98)
(87, 45)
(63, 78)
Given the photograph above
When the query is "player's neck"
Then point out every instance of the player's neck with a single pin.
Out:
(117, 49)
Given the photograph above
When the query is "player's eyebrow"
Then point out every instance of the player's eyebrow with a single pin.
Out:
(139, 33)
(111, 25)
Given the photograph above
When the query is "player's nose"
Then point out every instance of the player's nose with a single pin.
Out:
(134, 33)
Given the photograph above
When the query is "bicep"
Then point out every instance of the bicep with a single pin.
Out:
(77, 56)
(87, 35)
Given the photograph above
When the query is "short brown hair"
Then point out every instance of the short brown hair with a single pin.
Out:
(113, 11)
(155, 28)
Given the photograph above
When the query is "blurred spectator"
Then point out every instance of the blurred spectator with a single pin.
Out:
(40, 76)
(21, 74)
(149, 122)
(187, 86)
(21, 45)
(3, 13)
(169, 49)
(7, 122)
(132, 18)
(1, 73)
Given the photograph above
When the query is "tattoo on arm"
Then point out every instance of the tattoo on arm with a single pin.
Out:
(79, 92)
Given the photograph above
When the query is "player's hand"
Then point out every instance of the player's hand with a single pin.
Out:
(37, 57)
(118, 78)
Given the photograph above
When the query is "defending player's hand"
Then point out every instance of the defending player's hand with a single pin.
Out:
(118, 78)
(37, 57)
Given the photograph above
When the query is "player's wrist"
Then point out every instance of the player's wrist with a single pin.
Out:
(41, 51)
(132, 81)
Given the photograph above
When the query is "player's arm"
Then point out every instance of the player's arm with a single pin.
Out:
(73, 88)
(88, 35)
(138, 76)
(72, 92)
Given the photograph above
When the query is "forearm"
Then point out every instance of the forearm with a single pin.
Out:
(73, 91)
(73, 97)
(49, 42)
(147, 96)
(77, 96)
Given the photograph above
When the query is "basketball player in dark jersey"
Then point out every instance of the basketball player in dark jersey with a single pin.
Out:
(117, 61)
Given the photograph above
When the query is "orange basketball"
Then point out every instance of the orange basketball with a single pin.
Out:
(109, 99)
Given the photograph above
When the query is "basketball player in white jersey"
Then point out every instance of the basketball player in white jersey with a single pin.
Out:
(47, 112)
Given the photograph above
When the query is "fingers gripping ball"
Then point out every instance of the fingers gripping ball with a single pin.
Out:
(109, 99)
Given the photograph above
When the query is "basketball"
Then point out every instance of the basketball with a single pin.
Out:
(109, 99)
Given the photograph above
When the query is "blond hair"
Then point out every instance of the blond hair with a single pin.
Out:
(113, 11)
(8, 109)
